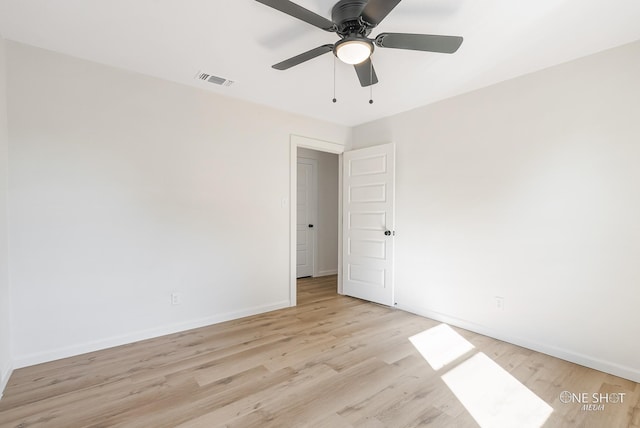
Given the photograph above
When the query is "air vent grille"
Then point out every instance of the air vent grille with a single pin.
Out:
(206, 77)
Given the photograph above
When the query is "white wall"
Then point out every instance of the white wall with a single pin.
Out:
(528, 190)
(124, 188)
(5, 340)
(327, 227)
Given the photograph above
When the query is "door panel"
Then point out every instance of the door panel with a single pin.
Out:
(368, 193)
(368, 206)
(305, 217)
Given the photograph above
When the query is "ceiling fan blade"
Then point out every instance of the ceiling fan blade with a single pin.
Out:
(301, 13)
(306, 56)
(366, 73)
(419, 42)
(377, 10)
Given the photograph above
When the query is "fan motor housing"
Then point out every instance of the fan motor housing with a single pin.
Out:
(346, 15)
(347, 10)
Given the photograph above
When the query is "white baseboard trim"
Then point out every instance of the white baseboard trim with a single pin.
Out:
(5, 374)
(327, 272)
(630, 373)
(97, 345)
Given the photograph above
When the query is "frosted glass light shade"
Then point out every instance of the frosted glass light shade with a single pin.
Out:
(353, 51)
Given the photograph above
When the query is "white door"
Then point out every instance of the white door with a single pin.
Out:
(305, 235)
(368, 223)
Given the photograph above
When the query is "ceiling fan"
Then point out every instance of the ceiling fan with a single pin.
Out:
(353, 21)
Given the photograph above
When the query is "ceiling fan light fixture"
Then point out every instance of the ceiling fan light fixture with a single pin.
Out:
(353, 51)
(353, 21)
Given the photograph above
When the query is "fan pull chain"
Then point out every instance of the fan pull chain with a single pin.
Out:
(334, 79)
(370, 82)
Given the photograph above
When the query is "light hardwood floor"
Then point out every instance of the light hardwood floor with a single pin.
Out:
(332, 361)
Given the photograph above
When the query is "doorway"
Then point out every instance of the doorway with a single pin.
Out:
(366, 189)
(321, 147)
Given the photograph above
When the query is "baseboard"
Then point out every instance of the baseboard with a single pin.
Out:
(70, 351)
(564, 354)
(5, 374)
(327, 272)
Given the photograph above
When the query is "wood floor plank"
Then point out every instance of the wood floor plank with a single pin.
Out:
(332, 361)
(257, 401)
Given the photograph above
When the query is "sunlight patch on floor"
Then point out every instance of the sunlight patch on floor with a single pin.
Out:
(440, 345)
(492, 396)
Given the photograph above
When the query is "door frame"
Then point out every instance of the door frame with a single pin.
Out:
(321, 146)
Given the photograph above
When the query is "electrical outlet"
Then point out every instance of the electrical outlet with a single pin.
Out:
(499, 303)
(176, 298)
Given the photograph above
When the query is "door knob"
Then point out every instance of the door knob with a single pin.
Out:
(387, 233)
(310, 226)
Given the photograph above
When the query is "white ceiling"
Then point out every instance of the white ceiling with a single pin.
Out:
(241, 39)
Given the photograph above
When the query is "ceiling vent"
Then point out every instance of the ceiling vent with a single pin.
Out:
(206, 77)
